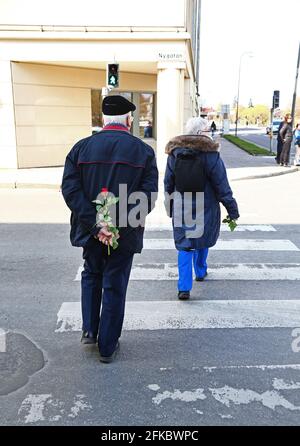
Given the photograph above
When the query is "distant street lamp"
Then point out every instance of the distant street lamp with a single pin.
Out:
(249, 54)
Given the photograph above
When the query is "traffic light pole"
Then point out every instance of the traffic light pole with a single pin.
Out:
(271, 129)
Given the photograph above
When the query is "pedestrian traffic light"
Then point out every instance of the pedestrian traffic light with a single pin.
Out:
(113, 75)
(275, 99)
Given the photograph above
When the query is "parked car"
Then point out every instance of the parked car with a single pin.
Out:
(275, 127)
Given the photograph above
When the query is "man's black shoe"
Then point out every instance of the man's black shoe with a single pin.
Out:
(200, 279)
(183, 295)
(88, 338)
(108, 359)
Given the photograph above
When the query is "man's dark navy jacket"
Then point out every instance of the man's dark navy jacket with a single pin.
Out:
(107, 159)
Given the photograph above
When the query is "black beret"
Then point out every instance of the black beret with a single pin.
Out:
(116, 105)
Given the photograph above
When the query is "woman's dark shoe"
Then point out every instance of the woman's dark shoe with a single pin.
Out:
(200, 279)
(88, 338)
(108, 359)
(183, 295)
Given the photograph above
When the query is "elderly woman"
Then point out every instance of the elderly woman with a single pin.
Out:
(194, 165)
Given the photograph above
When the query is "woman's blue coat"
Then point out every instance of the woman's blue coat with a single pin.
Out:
(216, 190)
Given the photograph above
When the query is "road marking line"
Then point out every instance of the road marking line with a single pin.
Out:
(162, 315)
(262, 367)
(281, 384)
(228, 395)
(250, 228)
(34, 406)
(226, 271)
(230, 245)
(2, 341)
(225, 228)
(216, 271)
(44, 407)
(186, 396)
(78, 274)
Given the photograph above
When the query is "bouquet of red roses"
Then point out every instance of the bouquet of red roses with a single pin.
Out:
(104, 220)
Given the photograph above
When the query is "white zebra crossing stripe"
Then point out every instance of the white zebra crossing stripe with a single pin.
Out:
(161, 315)
(230, 245)
(250, 228)
(225, 228)
(259, 367)
(78, 275)
(216, 271)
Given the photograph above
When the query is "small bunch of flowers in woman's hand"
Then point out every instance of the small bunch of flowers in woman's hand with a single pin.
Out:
(232, 224)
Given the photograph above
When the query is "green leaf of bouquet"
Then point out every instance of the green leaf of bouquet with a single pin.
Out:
(115, 244)
(114, 200)
(232, 225)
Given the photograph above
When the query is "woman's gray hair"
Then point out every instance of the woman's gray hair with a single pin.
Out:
(195, 126)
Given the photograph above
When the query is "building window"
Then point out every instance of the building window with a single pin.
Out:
(144, 116)
(96, 103)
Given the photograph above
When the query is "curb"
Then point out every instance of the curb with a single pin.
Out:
(8, 185)
(16, 185)
(37, 186)
(30, 186)
(267, 175)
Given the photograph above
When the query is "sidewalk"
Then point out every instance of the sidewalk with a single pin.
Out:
(41, 178)
(240, 166)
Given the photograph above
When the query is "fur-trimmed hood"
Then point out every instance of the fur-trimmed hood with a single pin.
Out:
(197, 142)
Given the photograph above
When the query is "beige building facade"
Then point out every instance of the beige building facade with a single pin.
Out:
(53, 59)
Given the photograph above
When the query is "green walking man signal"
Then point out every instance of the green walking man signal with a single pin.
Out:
(113, 75)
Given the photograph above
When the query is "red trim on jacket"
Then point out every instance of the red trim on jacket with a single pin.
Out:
(112, 162)
(115, 127)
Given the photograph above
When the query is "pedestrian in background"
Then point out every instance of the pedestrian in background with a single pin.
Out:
(297, 145)
(148, 130)
(106, 160)
(279, 142)
(286, 134)
(213, 128)
(194, 165)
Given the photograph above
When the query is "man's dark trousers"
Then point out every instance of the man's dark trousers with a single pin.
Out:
(104, 283)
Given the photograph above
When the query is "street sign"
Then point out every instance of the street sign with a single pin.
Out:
(275, 99)
(112, 75)
(225, 108)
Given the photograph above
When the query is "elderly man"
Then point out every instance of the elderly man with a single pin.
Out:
(107, 159)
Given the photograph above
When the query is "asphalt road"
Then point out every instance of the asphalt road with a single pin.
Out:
(229, 356)
(257, 136)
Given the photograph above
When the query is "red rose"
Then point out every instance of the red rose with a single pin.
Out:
(104, 189)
